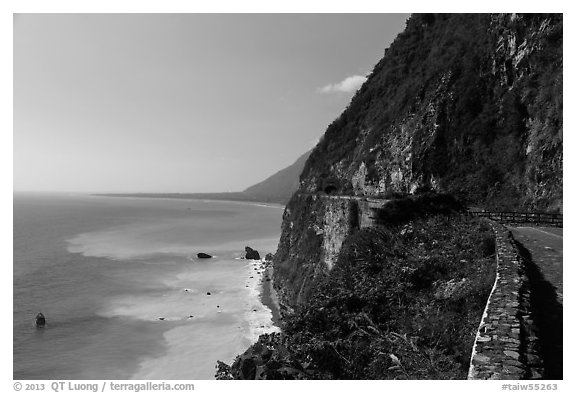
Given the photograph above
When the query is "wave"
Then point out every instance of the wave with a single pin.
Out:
(222, 325)
(208, 310)
(122, 245)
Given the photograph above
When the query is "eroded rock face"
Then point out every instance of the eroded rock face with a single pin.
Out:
(469, 105)
(296, 262)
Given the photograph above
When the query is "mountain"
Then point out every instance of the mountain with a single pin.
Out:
(277, 188)
(466, 104)
(280, 186)
(462, 110)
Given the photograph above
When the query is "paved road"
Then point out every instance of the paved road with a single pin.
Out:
(546, 247)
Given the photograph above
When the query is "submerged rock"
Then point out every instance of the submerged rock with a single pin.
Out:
(202, 255)
(251, 253)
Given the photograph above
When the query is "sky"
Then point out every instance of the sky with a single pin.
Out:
(181, 102)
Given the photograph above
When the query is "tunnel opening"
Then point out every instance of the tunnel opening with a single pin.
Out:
(329, 185)
(330, 189)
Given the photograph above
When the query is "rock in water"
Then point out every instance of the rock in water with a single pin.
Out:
(251, 253)
(40, 320)
(269, 257)
(202, 255)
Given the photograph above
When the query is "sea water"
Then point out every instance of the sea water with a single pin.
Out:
(122, 290)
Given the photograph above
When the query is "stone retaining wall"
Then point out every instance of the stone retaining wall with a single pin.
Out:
(506, 342)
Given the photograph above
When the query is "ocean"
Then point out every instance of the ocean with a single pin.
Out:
(122, 290)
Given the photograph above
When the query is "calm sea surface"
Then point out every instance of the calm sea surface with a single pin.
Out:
(105, 270)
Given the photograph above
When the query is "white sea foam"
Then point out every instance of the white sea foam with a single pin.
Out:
(130, 267)
(172, 288)
(129, 243)
(258, 315)
(223, 324)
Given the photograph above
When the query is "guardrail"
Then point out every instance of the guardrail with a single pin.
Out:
(504, 217)
(544, 219)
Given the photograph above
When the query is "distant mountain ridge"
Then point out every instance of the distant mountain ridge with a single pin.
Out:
(277, 188)
(280, 186)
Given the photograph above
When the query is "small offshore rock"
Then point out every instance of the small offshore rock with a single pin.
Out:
(40, 320)
(203, 255)
(251, 253)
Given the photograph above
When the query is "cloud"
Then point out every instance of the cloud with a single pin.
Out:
(348, 85)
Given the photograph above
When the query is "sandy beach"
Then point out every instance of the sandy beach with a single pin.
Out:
(268, 295)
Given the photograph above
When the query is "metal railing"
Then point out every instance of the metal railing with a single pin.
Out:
(509, 217)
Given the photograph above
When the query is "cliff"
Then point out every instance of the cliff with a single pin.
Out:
(398, 302)
(461, 105)
(465, 104)
(469, 105)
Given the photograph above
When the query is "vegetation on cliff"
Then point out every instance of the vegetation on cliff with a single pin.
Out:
(465, 104)
(403, 301)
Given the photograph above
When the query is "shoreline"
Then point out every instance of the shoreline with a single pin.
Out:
(268, 296)
(272, 204)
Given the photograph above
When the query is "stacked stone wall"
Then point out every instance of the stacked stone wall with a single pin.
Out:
(506, 342)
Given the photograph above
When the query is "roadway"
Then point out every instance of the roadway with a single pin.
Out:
(544, 243)
(546, 247)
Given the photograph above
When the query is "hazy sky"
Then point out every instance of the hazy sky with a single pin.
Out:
(180, 102)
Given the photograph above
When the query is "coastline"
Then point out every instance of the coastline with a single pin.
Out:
(268, 295)
(190, 197)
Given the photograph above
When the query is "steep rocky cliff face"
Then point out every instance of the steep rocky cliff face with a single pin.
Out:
(466, 104)
(313, 231)
(469, 105)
